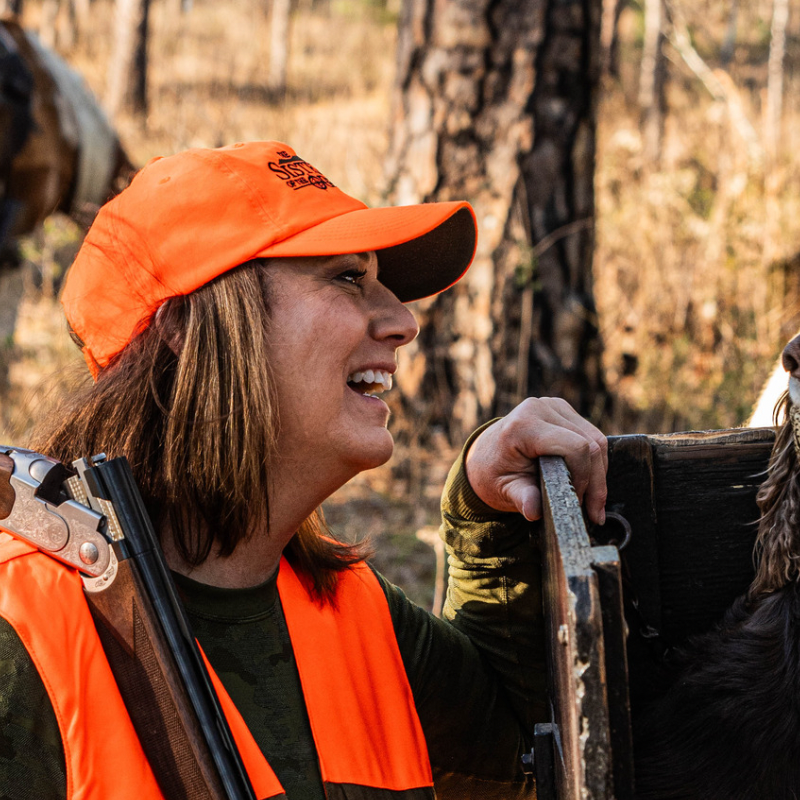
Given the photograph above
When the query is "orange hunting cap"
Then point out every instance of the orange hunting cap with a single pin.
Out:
(188, 218)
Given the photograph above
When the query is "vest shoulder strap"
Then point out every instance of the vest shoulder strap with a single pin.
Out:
(351, 670)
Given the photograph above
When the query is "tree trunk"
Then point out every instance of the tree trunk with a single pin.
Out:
(83, 11)
(127, 78)
(279, 46)
(12, 7)
(728, 48)
(777, 50)
(496, 103)
(47, 22)
(652, 81)
(609, 41)
(139, 76)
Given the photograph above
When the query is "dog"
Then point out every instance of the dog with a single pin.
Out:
(729, 726)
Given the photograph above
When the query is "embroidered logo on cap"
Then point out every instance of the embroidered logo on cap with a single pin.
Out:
(298, 174)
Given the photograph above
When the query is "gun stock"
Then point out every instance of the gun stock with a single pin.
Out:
(148, 679)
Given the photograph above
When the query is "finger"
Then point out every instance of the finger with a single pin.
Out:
(7, 494)
(596, 491)
(558, 440)
(586, 462)
(573, 420)
(534, 415)
(588, 476)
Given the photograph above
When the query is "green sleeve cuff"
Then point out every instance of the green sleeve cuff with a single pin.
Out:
(459, 500)
(472, 528)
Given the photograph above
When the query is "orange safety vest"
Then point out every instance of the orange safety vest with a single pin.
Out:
(365, 726)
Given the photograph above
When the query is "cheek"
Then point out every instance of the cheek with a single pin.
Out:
(312, 345)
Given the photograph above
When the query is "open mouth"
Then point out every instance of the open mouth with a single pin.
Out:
(371, 382)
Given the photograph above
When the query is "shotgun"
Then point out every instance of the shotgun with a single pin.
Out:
(92, 517)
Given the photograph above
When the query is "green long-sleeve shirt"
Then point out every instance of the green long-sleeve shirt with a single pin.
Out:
(477, 677)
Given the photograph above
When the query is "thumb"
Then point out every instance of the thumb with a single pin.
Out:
(526, 498)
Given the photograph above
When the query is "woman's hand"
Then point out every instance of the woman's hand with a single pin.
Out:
(502, 465)
(7, 493)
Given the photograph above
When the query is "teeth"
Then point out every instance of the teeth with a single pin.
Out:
(378, 379)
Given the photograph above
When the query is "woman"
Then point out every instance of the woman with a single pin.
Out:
(241, 316)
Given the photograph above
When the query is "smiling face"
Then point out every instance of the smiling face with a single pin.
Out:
(334, 332)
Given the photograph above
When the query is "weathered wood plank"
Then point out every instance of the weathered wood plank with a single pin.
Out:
(576, 655)
(706, 485)
(606, 563)
(631, 493)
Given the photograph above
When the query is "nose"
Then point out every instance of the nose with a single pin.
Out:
(791, 357)
(393, 320)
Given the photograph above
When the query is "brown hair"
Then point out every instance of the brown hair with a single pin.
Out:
(189, 402)
(778, 542)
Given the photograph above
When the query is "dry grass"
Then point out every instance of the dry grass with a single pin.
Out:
(208, 77)
(696, 261)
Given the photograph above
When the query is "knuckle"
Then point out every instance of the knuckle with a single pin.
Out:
(530, 405)
(523, 415)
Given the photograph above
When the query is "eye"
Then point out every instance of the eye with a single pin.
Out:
(353, 276)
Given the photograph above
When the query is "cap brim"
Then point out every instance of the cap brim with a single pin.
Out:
(422, 249)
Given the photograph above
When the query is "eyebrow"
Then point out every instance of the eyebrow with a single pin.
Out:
(361, 257)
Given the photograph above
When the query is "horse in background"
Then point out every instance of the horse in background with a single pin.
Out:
(58, 152)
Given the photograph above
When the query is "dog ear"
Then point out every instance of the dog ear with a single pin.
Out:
(778, 543)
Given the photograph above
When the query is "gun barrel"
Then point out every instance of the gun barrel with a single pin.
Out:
(155, 658)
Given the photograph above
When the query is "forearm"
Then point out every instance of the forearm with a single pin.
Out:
(494, 592)
(474, 738)
(478, 676)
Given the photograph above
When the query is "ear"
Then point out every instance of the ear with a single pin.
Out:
(778, 544)
(168, 324)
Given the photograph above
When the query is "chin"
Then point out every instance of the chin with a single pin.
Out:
(375, 454)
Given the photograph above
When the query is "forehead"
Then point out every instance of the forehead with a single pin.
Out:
(362, 259)
(321, 264)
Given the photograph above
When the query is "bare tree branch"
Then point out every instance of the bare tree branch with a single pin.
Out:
(719, 85)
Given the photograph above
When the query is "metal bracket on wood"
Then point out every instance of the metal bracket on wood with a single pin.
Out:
(544, 760)
(540, 762)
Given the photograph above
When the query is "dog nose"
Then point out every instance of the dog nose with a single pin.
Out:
(791, 357)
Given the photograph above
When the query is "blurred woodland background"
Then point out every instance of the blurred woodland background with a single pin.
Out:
(632, 166)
